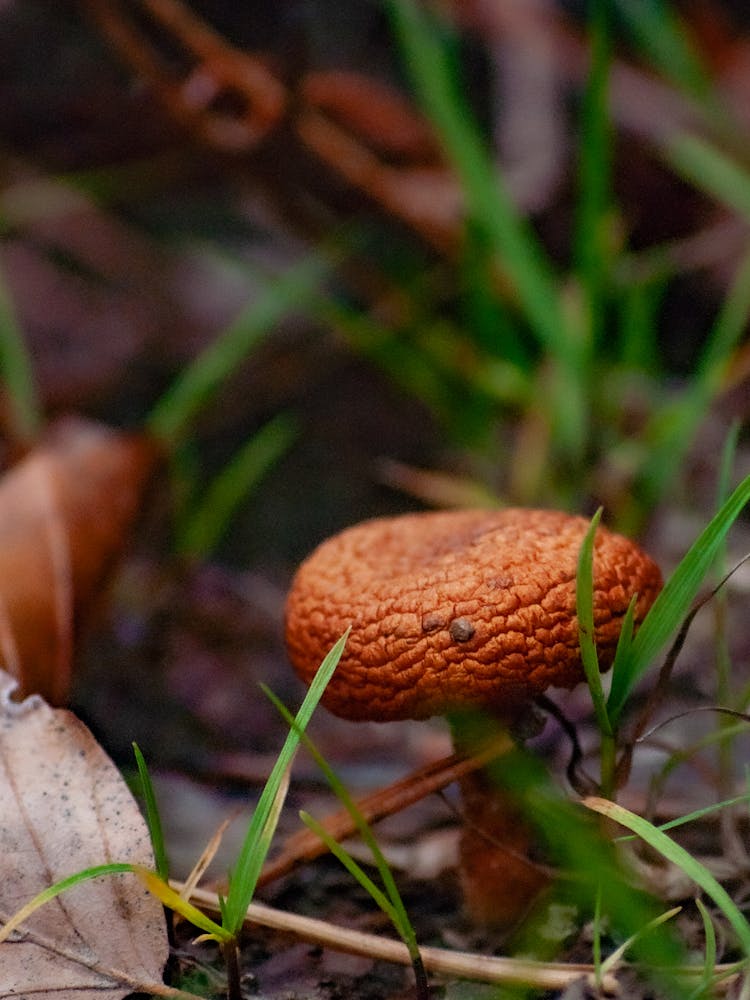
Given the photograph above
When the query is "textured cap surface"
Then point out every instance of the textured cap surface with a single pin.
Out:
(458, 609)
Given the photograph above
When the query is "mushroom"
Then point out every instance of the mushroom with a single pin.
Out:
(463, 610)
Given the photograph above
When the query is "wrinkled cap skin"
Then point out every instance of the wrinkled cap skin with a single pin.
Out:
(458, 609)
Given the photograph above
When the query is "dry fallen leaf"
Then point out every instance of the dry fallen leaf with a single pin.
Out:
(65, 511)
(64, 807)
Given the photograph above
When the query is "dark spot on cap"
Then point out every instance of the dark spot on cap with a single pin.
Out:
(461, 630)
(432, 620)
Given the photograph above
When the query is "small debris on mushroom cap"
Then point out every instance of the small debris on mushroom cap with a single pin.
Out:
(461, 630)
(458, 609)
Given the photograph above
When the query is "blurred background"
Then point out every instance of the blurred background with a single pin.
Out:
(463, 253)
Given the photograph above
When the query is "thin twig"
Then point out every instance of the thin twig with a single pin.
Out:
(460, 964)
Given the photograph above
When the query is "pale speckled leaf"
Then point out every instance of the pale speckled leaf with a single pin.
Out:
(64, 807)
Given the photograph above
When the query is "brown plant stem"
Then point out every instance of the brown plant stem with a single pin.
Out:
(499, 879)
(231, 952)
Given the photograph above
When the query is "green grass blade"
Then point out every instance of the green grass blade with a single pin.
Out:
(573, 842)
(594, 170)
(397, 911)
(618, 954)
(673, 603)
(596, 944)
(639, 307)
(585, 612)
(170, 898)
(697, 814)
(710, 170)
(489, 204)
(726, 465)
(625, 639)
(209, 519)
(722, 654)
(16, 369)
(589, 657)
(98, 871)
(662, 37)
(194, 387)
(433, 78)
(354, 869)
(725, 334)
(677, 855)
(153, 818)
(268, 829)
(250, 860)
(485, 314)
(709, 960)
(424, 361)
(672, 429)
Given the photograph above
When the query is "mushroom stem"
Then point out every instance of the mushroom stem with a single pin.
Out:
(500, 881)
(499, 878)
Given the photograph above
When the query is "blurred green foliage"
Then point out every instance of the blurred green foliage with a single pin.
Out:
(569, 352)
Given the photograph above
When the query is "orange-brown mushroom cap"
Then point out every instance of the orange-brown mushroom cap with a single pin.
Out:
(460, 609)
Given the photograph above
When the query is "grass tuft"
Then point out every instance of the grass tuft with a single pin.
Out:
(673, 603)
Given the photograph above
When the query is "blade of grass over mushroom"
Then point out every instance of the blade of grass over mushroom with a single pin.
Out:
(209, 519)
(585, 611)
(678, 856)
(250, 860)
(422, 40)
(625, 640)
(673, 603)
(589, 657)
(16, 370)
(203, 377)
(153, 817)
